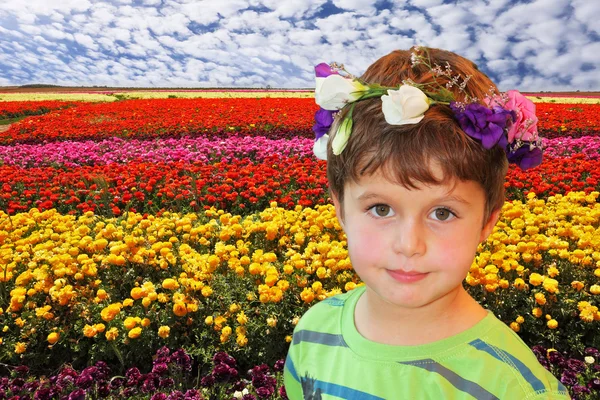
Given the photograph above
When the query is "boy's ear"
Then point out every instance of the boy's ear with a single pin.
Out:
(338, 209)
(489, 225)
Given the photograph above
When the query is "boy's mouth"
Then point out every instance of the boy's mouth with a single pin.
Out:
(407, 276)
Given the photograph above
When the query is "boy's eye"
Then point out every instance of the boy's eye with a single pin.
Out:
(381, 210)
(442, 214)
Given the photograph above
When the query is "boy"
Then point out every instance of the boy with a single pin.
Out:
(417, 179)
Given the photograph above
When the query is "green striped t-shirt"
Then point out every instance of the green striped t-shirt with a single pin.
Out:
(329, 359)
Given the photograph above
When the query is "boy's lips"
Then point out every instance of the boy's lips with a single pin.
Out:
(407, 276)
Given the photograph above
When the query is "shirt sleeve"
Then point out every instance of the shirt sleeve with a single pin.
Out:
(291, 381)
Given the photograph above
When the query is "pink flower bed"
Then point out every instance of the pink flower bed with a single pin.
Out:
(117, 150)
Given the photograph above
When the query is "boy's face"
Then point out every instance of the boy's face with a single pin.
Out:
(413, 247)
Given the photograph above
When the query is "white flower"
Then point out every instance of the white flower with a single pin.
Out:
(335, 91)
(406, 105)
(238, 395)
(589, 359)
(320, 147)
(341, 136)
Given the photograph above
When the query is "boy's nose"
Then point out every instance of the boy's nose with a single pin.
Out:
(409, 240)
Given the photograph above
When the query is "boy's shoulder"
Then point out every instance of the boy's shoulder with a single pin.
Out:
(326, 312)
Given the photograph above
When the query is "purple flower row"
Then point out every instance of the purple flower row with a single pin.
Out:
(121, 151)
(168, 379)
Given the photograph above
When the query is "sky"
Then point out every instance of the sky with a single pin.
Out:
(535, 45)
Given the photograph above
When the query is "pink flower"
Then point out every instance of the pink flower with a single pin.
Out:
(524, 126)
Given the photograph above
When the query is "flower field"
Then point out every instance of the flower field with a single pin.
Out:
(161, 248)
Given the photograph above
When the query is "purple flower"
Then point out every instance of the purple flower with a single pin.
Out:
(249, 397)
(590, 351)
(149, 385)
(182, 359)
(283, 393)
(159, 396)
(176, 395)
(222, 357)
(594, 384)
(85, 380)
(43, 394)
(166, 383)
(279, 364)
(482, 123)
(160, 368)
(323, 70)
(133, 376)
(78, 394)
(525, 158)
(578, 390)
(568, 377)
(264, 392)
(103, 390)
(323, 121)
(163, 352)
(207, 381)
(22, 370)
(116, 383)
(576, 365)
(192, 394)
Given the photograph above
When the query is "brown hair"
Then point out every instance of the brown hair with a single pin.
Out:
(404, 153)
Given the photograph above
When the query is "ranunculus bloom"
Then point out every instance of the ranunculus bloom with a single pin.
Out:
(525, 125)
(323, 70)
(323, 121)
(482, 123)
(406, 105)
(335, 91)
(525, 158)
(320, 147)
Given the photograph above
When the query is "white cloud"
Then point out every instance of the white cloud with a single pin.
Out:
(272, 42)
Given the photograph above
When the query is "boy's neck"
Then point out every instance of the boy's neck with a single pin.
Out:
(382, 322)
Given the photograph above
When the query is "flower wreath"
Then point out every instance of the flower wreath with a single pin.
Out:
(507, 119)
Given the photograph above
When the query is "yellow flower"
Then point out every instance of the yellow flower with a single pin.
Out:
(53, 337)
(226, 331)
(349, 286)
(89, 331)
(112, 334)
(536, 279)
(519, 284)
(552, 324)
(242, 319)
(595, 289)
(145, 322)
(164, 331)
(208, 320)
(241, 340)
(540, 299)
(109, 313)
(515, 326)
(272, 322)
(127, 302)
(20, 347)
(129, 323)
(179, 309)
(137, 293)
(101, 293)
(537, 312)
(520, 319)
(577, 285)
(170, 284)
(234, 308)
(99, 328)
(135, 333)
(307, 295)
(553, 271)
(206, 291)
(288, 338)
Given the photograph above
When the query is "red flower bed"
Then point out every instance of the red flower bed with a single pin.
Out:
(272, 117)
(576, 119)
(554, 176)
(241, 187)
(14, 109)
(238, 187)
(280, 117)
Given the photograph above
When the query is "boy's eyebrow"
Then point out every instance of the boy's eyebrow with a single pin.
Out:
(371, 195)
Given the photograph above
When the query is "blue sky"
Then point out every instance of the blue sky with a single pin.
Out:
(536, 45)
